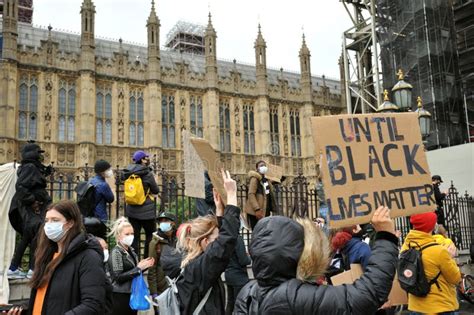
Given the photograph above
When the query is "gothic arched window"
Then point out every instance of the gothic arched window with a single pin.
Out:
(66, 111)
(249, 129)
(137, 116)
(168, 121)
(295, 133)
(103, 115)
(224, 126)
(28, 109)
(195, 113)
(274, 131)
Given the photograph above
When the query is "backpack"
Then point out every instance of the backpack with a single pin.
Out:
(411, 273)
(134, 191)
(338, 264)
(168, 301)
(86, 198)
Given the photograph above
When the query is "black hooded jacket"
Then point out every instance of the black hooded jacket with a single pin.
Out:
(78, 285)
(205, 270)
(146, 211)
(277, 244)
(30, 187)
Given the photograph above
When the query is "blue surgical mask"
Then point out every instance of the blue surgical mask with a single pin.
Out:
(54, 231)
(165, 226)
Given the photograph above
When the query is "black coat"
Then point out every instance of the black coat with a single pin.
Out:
(146, 211)
(30, 187)
(205, 271)
(123, 268)
(78, 285)
(236, 272)
(275, 250)
(439, 196)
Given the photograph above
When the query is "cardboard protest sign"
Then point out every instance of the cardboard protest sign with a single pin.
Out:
(397, 295)
(274, 172)
(348, 276)
(372, 160)
(212, 163)
(193, 169)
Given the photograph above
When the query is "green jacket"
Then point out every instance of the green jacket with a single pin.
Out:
(156, 276)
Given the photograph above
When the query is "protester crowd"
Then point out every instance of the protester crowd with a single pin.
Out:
(73, 271)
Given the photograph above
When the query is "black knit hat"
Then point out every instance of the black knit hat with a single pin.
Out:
(101, 166)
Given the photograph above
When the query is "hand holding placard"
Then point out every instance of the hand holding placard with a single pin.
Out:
(381, 220)
(212, 163)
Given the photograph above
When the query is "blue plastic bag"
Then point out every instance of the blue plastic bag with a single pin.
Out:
(138, 301)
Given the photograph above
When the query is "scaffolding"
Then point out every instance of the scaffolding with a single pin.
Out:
(361, 60)
(186, 37)
(25, 10)
(464, 21)
(418, 37)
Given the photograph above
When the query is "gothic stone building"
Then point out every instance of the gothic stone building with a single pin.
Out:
(83, 99)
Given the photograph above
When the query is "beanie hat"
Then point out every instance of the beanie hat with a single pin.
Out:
(101, 166)
(139, 155)
(424, 222)
(340, 239)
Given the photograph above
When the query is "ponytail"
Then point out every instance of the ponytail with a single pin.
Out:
(315, 256)
(118, 226)
(191, 234)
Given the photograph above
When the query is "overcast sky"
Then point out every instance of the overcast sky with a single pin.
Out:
(235, 22)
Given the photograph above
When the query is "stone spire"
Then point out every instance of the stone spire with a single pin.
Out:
(153, 30)
(87, 35)
(305, 68)
(261, 62)
(210, 39)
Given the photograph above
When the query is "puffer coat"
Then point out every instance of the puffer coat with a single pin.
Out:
(277, 244)
(78, 285)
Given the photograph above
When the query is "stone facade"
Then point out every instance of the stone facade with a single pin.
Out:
(83, 98)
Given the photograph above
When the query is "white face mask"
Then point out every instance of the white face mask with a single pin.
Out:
(262, 169)
(54, 231)
(109, 173)
(106, 255)
(127, 240)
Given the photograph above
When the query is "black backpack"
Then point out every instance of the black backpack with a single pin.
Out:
(411, 273)
(338, 264)
(86, 198)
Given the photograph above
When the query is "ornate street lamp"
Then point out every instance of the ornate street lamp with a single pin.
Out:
(387, 106)
(424, 118)
(402, 92)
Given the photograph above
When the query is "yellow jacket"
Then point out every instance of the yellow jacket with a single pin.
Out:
(440, 239)
(435, 259)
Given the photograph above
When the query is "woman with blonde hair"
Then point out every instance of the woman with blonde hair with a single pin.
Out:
(69, 275)
(288, 256)
(124, 266)
(208, 243)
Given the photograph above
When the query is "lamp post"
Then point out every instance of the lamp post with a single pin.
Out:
(402, 92)
(424, 118)
(387, 106)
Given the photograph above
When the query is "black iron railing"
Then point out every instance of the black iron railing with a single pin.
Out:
(295, 198)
